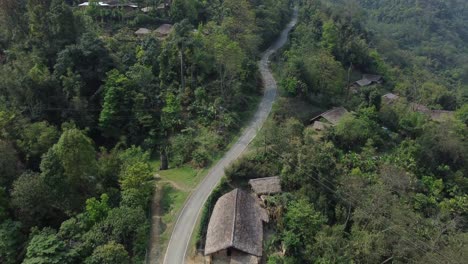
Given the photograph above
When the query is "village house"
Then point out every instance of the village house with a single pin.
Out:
(163, 31)
(330, 118)
(434, 115)
(235, 230)
(390, 98)
(440, 115)
(162, 6)
(111, 4)
(142, 32)
(368, 79)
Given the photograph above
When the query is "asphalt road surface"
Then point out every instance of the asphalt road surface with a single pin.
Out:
(180, 239)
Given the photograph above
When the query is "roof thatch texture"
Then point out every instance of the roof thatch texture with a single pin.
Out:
(372, 77)
(320, 126)
(268, 185)
(236, 222)
(439, 115)
(164, 30)
(151, 8)
(333, 116)
(142, 31)
(389, 98)
(242, 258)
(111, 3)
(368, 79)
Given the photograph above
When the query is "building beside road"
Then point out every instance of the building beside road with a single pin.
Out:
(235, 230)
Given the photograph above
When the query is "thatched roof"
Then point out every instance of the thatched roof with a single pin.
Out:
(320, 126)
(390, 98)
(439, 115)
(242, 258)
(333, 116)
(236, 222)
(268, 185)
(142, 31)
(151, 8)
(368, 79)
(111, 3)
(164, 30)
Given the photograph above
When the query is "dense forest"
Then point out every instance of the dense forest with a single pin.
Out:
(86, 106)
(388, 183)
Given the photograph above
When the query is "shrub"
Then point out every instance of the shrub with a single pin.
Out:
(182, 147)
(200, 158)
(250, 167)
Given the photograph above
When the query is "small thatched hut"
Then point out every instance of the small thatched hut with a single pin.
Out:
(235, 231)
(266, 186)
(368, 79)
(333, 116)
(142, 32)
(111, 4)
(164, 30)
(390, 98)
(440, 115)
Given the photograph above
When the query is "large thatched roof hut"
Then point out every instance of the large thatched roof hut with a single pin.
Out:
(333, 116)
(368, 79)
(236, 227)
(142, 32)
(164, 30)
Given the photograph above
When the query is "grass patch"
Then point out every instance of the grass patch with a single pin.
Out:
(172, 202)
(186, 177)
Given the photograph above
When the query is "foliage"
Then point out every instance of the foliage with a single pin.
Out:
(46, 247)
(8, 164)
(70, 168)
(10, 240)
(31, 197)
(108, 254)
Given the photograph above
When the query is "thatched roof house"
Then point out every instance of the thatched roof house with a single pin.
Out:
(268, 185)
(151, 8)
(368, 79)
(164, 30)
(333, 116)
(236, 227)
(320, 126)
(439, 115)
(390, 98)
(142, 32)
(111, 4)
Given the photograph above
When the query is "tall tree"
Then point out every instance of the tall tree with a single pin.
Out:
(70, 169)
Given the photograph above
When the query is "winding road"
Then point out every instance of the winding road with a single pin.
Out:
(180, 239)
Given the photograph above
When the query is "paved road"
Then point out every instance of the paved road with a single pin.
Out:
(186, 222)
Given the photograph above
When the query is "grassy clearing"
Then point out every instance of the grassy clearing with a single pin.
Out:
(172, 202)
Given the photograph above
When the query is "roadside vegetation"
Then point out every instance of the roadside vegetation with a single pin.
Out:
(86, 106)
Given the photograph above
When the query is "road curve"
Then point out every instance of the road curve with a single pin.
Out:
(180, 238)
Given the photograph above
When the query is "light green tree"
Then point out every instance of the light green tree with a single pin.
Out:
(110, 253)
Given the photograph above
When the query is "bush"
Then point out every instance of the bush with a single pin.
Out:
(200, 158)
(142, 20)
(182, 147)
(250, 167)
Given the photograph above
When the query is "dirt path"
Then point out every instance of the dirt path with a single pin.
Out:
(181, 235)
(156, 212)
